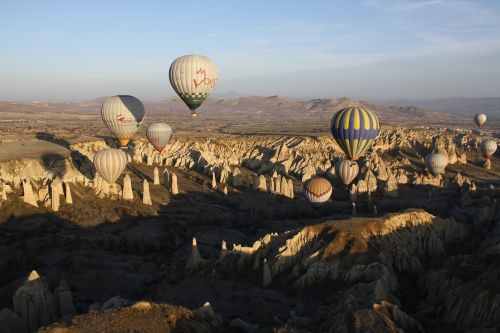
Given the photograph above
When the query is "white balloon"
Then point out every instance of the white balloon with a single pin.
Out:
(159, 135)
(347, 170)
(193, 77)
(480, 119)
(123, 115)
(488, 148)
(110, 163)
(436, 163)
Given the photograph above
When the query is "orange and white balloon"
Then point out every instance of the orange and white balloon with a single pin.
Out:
(318, 190)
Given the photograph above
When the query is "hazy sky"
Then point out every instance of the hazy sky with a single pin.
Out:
(372, 49)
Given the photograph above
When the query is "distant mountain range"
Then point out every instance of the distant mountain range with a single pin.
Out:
(443, 111)
(466, 107)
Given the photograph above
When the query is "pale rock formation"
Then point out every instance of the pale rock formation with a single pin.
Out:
(284, 186)
(452, 154)
(272, 186)
(308, 172)
(401, 178)
(353, 209)
(64, 300)
(290, 189)
(195, 259)
(127, 194)
(225, 190)
(262, 183)
(174, 189)
(462, 159)
(34, 303)
(67, 193)
(214, 182)
(236, 177)
(43, 195)
(458, 180)
(487, 164)
(3, 194)
(54, 196)
(223, 250)
(266, 274)
(277, 184)
(29, 196)
(146, 197)
(156, 176)
(149, 159)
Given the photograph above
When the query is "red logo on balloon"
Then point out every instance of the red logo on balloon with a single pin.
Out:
(120, 118)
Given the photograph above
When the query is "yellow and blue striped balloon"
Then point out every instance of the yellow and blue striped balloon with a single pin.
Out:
(354, 129)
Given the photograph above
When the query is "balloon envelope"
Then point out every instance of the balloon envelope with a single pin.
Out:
(355, 129)
(123, 115)
(193, 77)
(347, 170)
(436, 163)
(488, 148)
(159, 135)
(318, 190)
(480, 119)
(110, 163)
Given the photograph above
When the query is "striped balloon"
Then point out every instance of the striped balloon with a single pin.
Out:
(347, 170)
(436, 163)
(159, 135)
(110, 163)
(193, 77)
(123, 115)
(355, 129)
(318, 190)
(488, 148)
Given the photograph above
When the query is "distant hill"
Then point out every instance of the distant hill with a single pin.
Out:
(270, 108)
(465, 107)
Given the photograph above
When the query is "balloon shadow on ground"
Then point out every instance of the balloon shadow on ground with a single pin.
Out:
(80, 161)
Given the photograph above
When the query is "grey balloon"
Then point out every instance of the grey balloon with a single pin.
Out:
(159, 135)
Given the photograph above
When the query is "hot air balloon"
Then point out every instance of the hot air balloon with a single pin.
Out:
(347, 170)
(159, 135)
(193, 77)
(355, 129)
(123, 115)
(110, 163)
(436, 162)
(480, 119)
(488, 148)
(318, 190)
